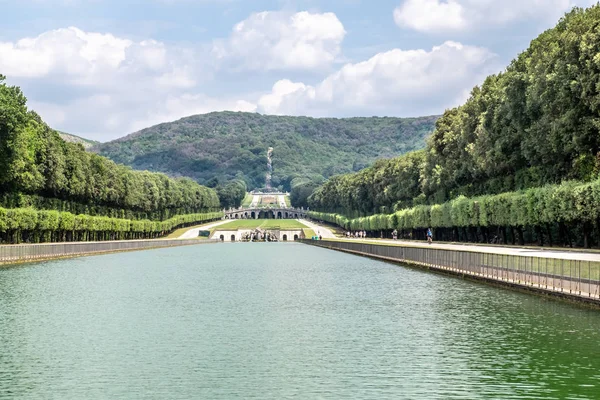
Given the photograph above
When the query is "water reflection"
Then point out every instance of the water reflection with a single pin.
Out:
(281, 321)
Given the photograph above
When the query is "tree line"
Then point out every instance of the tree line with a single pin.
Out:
(566, 214)
(231, 193)
(42, 170)
(301, 189)
(28, 225)
(233, 145)
(536, 123)
(520, 134)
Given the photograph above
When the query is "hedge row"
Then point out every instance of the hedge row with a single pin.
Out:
(568, 203)
(31, 225)
(22, 200)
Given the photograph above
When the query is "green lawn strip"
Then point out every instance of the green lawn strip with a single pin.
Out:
(247, 200)
(261, 223)
(176, 234)
(309, 233)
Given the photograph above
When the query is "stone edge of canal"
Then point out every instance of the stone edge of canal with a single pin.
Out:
(11, 255)
(446, 262)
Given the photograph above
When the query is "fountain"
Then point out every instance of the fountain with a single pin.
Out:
(269, 169)
(259, 235)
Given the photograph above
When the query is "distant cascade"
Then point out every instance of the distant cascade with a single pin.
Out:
(269, 168)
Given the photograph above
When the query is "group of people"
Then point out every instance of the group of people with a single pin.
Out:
(357, 234)
(429, 235)
(363, 234)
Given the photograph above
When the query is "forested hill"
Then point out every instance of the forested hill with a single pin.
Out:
(231, 145)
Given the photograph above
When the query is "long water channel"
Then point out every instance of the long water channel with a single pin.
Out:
(272, 321)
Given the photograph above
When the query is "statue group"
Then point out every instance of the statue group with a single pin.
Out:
(258, 235)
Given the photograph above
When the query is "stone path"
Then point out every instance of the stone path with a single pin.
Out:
(193, 233)
(562, 254)
(514, 251)
(319, 230)
(281, 201)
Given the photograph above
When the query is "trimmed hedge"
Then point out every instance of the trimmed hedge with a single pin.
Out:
(30, 225)
(566, 204)
(22, 200)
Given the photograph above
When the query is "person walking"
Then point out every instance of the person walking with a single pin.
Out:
(429, 236)
(395, 234)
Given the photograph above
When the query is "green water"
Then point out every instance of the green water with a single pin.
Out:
(273, 321)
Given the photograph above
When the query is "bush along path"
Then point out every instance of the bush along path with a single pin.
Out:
(27, 225)
(564, 215)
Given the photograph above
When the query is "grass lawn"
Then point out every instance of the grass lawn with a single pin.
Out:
(309, 233)
(176, 234)
(247, 200)
(261, 223)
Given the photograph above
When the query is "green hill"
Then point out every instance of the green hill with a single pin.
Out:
(229, 145)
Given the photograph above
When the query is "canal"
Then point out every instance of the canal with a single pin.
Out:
(272, 321)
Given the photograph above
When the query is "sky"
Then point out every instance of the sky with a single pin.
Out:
(103, 69)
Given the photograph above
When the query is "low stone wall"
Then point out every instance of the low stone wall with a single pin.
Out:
(571, 279)
(12, 254)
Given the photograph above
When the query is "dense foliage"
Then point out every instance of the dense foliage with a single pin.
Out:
(42, 170)
(566, 214)
(34, 226)
(229, 145)
(379, 188)
(536, 123)
(302, 188)
(232, 193)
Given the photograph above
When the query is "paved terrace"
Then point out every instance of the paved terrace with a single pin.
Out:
(558, 253)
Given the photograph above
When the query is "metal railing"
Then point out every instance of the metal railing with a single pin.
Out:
(31, 252)
(573, 277)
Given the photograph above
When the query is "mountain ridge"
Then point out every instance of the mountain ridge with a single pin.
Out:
(233, 145)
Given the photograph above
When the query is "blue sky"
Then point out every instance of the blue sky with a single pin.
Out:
(106, 68)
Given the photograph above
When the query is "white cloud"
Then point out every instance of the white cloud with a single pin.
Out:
(275, 40)
(397, 82)
(63, 51)
(433, 16)
(179, 77)
(430, 15)
(107, 81)
(149, 53)
(110, 86)
(95, 59)
(284, 89)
